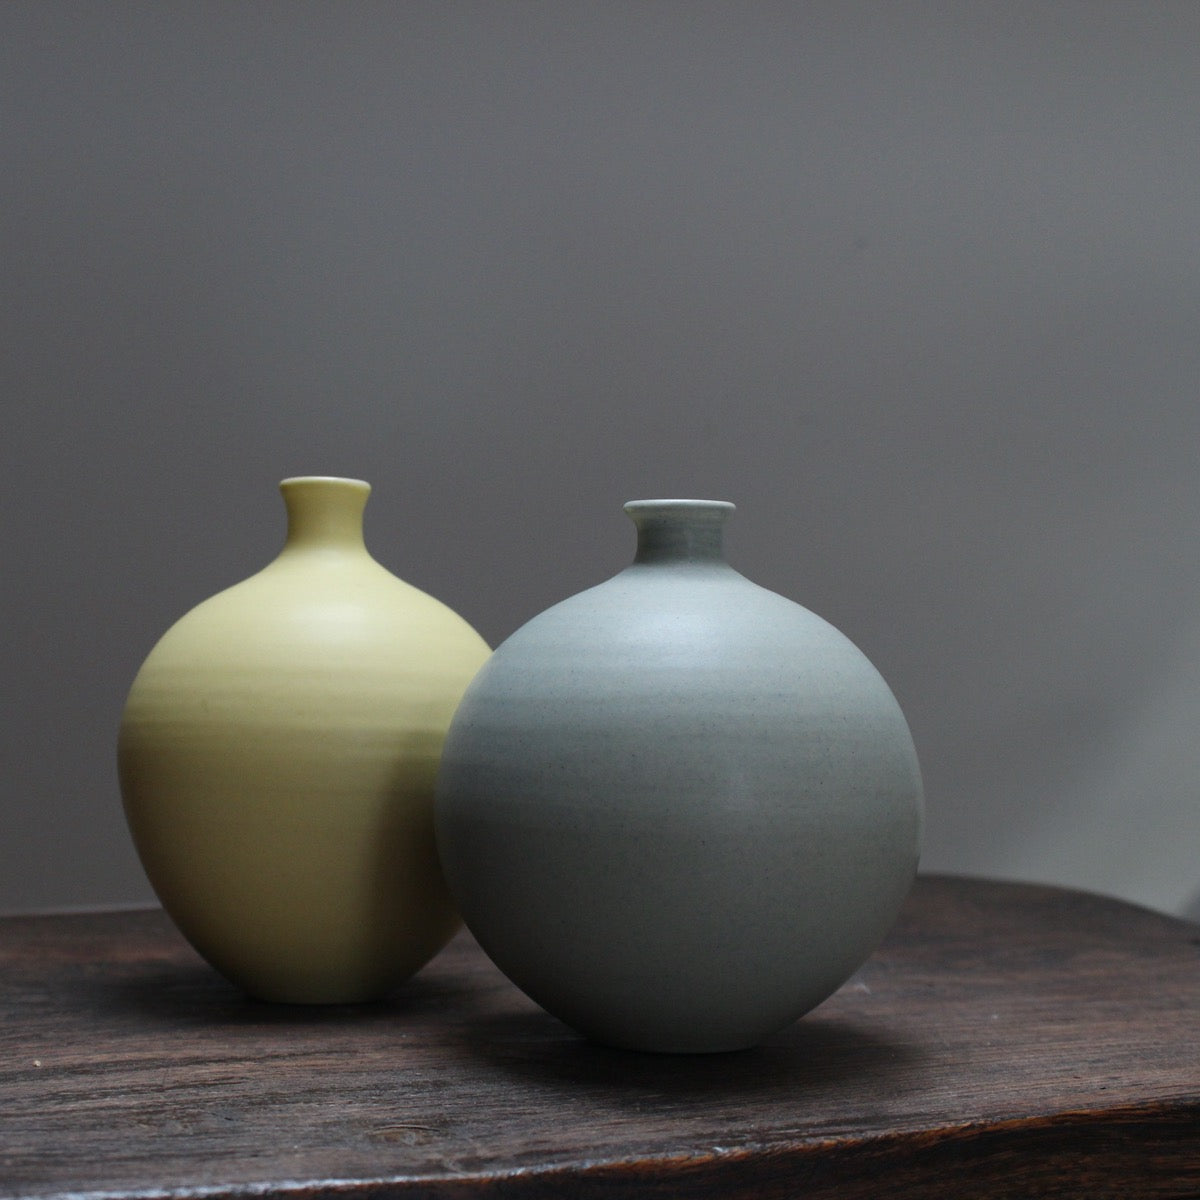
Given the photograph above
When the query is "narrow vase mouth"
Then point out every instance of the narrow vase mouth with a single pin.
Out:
(676, 531)
(338, 479)
(714, 510)
(324, 511)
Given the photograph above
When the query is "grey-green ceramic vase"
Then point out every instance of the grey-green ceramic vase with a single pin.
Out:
(678, 810)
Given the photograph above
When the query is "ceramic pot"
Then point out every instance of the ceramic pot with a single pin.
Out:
(679, 810)
(277, 759)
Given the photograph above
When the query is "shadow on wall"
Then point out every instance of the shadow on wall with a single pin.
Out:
(1140, 834)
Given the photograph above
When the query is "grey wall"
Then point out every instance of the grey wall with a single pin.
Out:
(916, 285)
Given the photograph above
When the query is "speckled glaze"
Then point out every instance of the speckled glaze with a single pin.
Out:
(678, 810)
(277, 759)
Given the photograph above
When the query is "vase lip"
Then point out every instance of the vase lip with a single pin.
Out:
(360, 484)
(718, 509)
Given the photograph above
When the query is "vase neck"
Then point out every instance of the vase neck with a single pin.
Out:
(324, 512)
(678, 531)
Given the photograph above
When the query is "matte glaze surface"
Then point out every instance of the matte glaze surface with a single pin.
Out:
(677, 809)
(277, 758)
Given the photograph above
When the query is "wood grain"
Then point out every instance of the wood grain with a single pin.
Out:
(1004, 1041)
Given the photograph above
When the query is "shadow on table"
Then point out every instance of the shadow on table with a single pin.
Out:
(179, 995)
(815, 1054)
(468, 1017)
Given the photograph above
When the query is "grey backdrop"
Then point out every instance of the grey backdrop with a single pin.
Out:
(916, 285)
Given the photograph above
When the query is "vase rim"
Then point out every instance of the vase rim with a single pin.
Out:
(357, 483)
(724, 507)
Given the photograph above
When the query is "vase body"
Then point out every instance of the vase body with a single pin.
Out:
(277, 758)
(679, 810)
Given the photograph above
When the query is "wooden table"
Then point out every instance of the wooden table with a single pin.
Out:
(1004, 1041)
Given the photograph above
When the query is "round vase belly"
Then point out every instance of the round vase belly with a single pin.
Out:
(277, 759)
(679, 810)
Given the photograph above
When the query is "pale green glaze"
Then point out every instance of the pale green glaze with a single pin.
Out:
(277, 759)
(678, 809)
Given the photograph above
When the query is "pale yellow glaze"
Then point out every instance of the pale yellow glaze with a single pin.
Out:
(277, 759)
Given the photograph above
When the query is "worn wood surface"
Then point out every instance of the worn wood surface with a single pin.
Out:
(1004, 1041)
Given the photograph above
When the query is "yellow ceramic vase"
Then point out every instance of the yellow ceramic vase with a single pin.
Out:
(277, 758)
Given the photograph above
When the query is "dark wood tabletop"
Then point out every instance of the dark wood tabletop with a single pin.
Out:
(1005, 1040)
